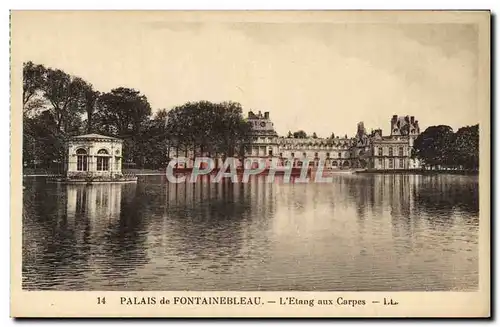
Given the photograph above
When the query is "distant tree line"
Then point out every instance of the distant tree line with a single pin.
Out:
(439, 147)
(57, 106)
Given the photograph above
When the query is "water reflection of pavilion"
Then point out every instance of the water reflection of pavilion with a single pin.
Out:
(99, 203)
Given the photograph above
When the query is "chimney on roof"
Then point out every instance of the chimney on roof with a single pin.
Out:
(412, 119)
(266, 115)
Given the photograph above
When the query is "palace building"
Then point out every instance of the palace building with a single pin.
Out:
(365, 151)
(394, 151)
(267, 144)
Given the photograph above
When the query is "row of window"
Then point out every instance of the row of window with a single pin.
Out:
(102, 163)
(82, 160)
(313, 164)
(400, 163)
(391, 151)
(315, 146)
(316, 154)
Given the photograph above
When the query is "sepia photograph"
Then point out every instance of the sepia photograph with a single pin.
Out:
(247, 154)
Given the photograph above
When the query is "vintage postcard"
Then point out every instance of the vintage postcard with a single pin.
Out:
(250, 163)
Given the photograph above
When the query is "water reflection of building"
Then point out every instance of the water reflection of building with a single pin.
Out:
(395, 191)
(211, 227)
(108, 230)
(98, 202)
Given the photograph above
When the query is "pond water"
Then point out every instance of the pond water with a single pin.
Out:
(358, 233)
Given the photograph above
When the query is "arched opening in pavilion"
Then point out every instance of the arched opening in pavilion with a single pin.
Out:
(102, 160)
(81, 160)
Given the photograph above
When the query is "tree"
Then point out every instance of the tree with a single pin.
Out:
(300, 134)
(42, 144)
(466, 147)
(232, 132)
(206, 127)
(290, 135)
(124, 110)
(435, 146)
(124, 113)
(89, 103)
(63, 92)
(52, 107)
(154, 141)
(33, 80)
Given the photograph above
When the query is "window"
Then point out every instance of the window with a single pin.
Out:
(303, 154)
(340, 154)
(380, 151)
(270, 152)
(102, 162)
(390, 151)
(380, 162)
(328, 154)
(316, 154)
(401, 163)
(81, 160)
(293, 154)
(391, 163)
(400, 151)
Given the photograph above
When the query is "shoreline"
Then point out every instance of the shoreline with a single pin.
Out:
(418, 172)
(329, 172)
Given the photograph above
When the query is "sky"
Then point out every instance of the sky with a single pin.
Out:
(319, 75)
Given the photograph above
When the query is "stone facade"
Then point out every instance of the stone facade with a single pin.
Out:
(267, 144)
(394, 151)
(94, 155)
(265, 139)
(372, 151)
